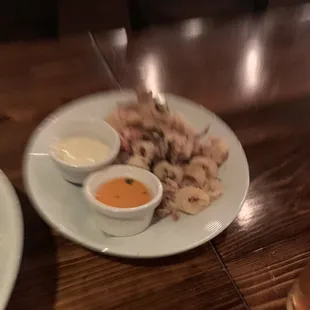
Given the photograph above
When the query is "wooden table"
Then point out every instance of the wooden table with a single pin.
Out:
(255, 73)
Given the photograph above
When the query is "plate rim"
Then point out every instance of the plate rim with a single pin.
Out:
(6, 291)
(80, 239)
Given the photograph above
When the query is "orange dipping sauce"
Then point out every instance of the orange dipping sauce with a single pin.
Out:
(123, 193)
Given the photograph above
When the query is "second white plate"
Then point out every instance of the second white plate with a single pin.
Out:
(11, 238)
(63, 206)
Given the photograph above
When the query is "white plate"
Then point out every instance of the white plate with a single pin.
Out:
(11, 238)
(63, 206)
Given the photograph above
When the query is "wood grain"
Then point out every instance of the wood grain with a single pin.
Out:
(35, 79)
(229, 66)
(266, 275)
(272, 229)
(274, 138)
(180, 282)
(255, 74)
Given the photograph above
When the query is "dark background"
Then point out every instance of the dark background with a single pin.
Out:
(32, 19)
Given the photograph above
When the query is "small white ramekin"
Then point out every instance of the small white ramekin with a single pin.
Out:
(96, 129)
(123, 221)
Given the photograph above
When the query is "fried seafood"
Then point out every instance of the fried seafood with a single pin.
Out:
(191, 199)
(186, 161)
(164, 170)
(207, 164)
(138, 161)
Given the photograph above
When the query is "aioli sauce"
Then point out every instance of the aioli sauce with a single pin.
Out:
(80, 151)
(123, 193)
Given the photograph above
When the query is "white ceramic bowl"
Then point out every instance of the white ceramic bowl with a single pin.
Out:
(96, 129)
(120, 221)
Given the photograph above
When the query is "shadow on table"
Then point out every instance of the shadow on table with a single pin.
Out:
(36, 285)
(164, 261)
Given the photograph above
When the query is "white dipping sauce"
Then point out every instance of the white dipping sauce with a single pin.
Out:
(80, 151)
